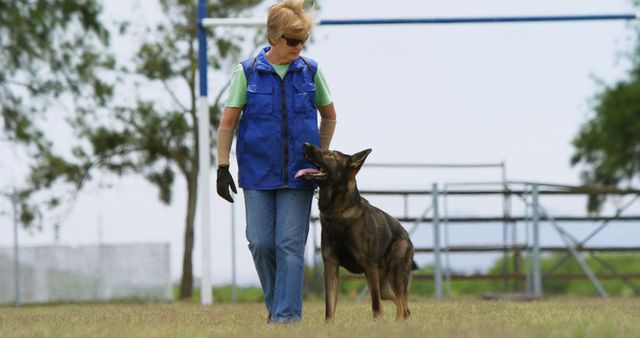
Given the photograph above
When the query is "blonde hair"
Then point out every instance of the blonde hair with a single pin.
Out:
(288, 18)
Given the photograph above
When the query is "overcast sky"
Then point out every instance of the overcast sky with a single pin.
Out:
(473, 93)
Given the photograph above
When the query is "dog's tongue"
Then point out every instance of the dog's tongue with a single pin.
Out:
(305, 171)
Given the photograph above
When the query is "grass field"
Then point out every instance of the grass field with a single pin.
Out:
(559, 317)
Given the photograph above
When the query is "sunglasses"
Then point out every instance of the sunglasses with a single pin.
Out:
(291, 42)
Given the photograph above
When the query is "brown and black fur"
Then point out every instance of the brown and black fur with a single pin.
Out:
(357, 235)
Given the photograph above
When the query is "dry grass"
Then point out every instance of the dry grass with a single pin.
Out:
(563, 317)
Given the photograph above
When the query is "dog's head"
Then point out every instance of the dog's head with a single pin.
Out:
(333, 166)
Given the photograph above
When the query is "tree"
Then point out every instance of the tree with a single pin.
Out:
(48, 49)
(608, 145)
(156, 135)
(53, 55)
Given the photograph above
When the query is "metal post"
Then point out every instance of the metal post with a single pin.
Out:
(527, 243)
(437, 269)
(505, 257)
(406, 205)
(13, 196)
(445, 224)
(234, 296)
(206, 296)
(16, 246)
(537, 275)
(505, 224)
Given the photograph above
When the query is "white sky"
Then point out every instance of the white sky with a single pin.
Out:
(414, 94)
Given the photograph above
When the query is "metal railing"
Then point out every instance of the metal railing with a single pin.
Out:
(535, 214)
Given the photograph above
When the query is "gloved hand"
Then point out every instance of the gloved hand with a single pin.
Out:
(224, 182)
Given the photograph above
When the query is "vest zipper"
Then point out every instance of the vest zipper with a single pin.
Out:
(286, 133)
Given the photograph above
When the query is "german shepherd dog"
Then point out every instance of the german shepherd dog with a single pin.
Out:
(357, 235)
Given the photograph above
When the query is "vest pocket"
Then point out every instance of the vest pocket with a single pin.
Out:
(259, 99)
(305, 97)
(259, 152)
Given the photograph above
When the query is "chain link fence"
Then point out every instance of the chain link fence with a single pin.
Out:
(86, 273)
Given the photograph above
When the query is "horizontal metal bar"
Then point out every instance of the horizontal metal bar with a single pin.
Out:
(518, 248)
(212, 22)
(458, 20)
(425, 276)
(513, 219)
(575, 191)
(433, 165)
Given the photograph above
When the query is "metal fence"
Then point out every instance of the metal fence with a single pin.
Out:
(85, 273)
(535, 215)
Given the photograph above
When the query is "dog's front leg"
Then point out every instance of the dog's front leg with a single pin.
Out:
(373, 281)
(331, 288)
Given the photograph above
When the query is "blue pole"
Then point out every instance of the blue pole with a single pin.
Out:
(202, 48)
(400, 21)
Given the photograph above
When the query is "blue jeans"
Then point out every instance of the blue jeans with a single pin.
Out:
(277, 229)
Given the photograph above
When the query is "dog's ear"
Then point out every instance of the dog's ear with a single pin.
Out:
(357, 160)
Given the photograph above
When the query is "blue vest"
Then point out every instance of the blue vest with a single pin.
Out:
(279, 117)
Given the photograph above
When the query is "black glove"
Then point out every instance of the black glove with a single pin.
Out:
(224, 182)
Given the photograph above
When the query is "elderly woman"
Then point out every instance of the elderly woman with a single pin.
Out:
(279, 93)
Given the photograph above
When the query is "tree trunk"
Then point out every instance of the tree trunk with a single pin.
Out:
(186, 285)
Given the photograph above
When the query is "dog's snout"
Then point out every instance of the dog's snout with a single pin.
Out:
(309, 147)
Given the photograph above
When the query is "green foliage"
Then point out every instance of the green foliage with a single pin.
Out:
(52, 53)
(49, 49)
(621, 264)
(600, 264)
(607, 146)
(152, 139)
(222, 294)
(243, 294)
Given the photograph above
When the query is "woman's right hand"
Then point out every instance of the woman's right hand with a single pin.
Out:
(224, 182)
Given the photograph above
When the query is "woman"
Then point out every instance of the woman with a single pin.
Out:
(279, 94)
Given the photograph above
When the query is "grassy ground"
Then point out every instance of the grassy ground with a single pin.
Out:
(560, 317)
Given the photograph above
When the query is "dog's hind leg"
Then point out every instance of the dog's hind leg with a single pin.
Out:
(331, 288)
(402, 311)
(387, 293)
(401, 284)
(400, 268)
(373, 280)
(409, 266)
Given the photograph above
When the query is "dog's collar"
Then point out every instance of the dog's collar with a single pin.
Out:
(347, 214)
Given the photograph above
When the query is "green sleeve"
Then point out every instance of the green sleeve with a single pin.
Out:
(323, 96)
(237, 89)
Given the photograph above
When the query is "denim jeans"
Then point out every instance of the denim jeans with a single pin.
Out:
(277, 229)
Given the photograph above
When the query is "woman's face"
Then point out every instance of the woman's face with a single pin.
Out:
(288, 48)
